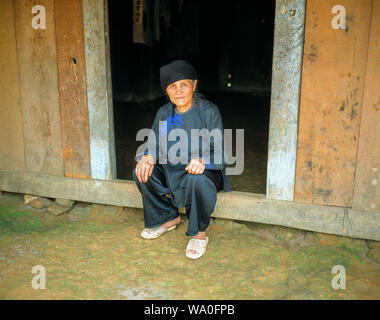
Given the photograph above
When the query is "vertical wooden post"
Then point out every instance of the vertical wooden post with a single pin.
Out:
(102, 144)
(286, 79)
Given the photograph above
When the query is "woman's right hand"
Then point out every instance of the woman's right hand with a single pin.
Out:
(144, 168)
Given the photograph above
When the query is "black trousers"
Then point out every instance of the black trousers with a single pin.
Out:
(198, 193)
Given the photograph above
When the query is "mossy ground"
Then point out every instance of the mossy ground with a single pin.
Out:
(95, 252)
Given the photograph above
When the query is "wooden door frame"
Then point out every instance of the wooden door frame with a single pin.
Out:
(99, 89)
(285, 97)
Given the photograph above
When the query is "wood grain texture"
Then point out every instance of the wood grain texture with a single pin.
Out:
(286, 81)
(72, 88)
(333, 74)
(367, 178)
(11, 132)
(37, 60)
(100, 109)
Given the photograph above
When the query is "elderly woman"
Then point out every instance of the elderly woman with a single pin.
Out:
(167, 185)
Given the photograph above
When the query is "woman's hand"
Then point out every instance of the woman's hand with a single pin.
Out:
(196, 166)
(144, 168)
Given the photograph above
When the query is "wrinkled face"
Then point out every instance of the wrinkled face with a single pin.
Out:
(181, 92)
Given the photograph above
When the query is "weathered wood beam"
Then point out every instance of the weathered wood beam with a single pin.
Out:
(231, 205)
(285, 98)
(99, 91)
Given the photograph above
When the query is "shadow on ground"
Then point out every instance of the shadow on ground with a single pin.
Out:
(95, 252)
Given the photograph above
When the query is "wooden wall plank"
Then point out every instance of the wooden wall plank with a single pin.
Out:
(334, 67)
(37, 60)
(11, 132)
(72, 88)
(367, 178)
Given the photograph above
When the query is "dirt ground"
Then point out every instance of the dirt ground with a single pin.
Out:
(95, 252)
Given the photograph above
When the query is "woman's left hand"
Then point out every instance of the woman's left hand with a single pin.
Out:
(196, 166)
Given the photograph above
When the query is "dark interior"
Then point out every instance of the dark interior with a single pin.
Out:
(230, 43)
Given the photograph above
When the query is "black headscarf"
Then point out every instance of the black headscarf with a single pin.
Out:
(175, 71)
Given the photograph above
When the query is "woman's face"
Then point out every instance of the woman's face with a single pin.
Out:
(181, 92)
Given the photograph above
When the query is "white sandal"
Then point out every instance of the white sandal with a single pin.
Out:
(153, 233)
(198, 246)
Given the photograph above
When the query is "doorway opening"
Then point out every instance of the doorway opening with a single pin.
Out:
(230, 44)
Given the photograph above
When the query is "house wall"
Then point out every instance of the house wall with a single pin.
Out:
(45, 94)
(56, 108)
(337, 117)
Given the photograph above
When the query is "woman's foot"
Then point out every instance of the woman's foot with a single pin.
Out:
(171, 223)
(153, 233)
(197, 246)
(200, 235)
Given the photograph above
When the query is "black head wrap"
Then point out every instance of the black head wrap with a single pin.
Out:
(175, 71)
